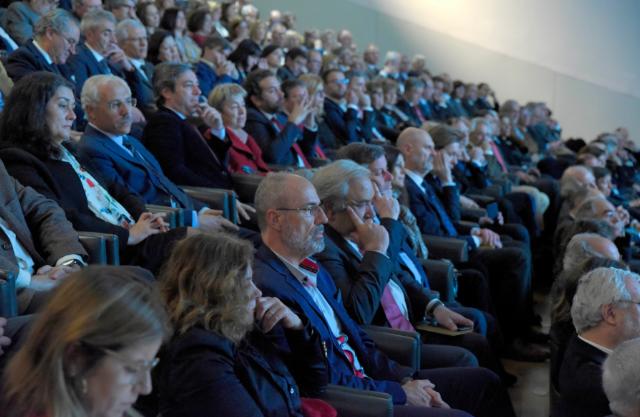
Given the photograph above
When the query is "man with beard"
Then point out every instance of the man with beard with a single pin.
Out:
(109, 152)
(281, 137)
(605, 313)
(291, 222)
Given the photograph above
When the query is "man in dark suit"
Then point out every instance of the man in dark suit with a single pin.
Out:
(343, 106)
(291, 222)
(213, 68)
(509, 267)
(108, 151)
(295, 64)
(410, 101)
(605, 313)
(39, 245)
(280, 136)
(55, 38)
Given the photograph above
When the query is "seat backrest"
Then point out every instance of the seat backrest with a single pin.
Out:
(245, 186)
(8, 296)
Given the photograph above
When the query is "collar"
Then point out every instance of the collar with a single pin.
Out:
(138, 63)
(306, 272)
(98, 56)
(180, 115)
(269, 116)
(43, 52)
(109, 135)
(339, 103)
(415, 177)
(597, 346)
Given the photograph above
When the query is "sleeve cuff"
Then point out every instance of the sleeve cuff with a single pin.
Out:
(69, 258)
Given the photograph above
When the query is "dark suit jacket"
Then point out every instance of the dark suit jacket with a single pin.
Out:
(108, 161)
(208, 79)
(28, 59)
(142, 88)
(84, 65)
(410, 111)
(274, 279)
(183, 153)
(346, 126)
(276, 144)
(580, 381)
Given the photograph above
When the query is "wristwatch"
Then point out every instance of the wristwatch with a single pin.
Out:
(73, 262)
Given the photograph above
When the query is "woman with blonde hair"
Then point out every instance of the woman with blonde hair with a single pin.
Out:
(91, 349)
(221, 361)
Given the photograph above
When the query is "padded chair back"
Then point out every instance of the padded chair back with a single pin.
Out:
(8, 296)
(173, 215)
(245, 185)
(351, 402)
(215, 198)
(401, 346)
(103, 248)
(443, 277)
(456, 250)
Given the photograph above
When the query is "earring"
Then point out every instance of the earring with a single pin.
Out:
(83, 386)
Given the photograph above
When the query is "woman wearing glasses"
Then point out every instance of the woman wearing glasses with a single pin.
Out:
(90, 357)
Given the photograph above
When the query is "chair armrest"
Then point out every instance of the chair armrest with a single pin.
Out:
(245, 185)
(103, 248)
(494, 191)
(464, 227)
(481, 199)
(173, 215)
(8, 295)
(351, 402)
(443, 278)
(403, 347)
(215, 198)
(456, 250)
(471, 214)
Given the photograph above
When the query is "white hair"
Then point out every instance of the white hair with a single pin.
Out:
(332, 181)
(580, 248)
(621, 379)
(123, 28)
(90, 95)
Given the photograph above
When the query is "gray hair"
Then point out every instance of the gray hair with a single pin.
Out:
(90, 95)
(598, 288)
(621, 379)
(332, 182)
(271, 193)
(165, 76)
(579, 249)
(361, 153)
(569, 185)
(587, 210)
(123, 28)
(58, 20)
(92, 19)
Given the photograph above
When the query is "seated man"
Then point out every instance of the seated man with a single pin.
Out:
(21, 17)
(291, 222)
(40, 245)
(621, 378)
(509, 268)
(213, 68)
(280, 136)
(410, 101)
(54, 40)
(295, 64)
(605, 314)
(107, 150)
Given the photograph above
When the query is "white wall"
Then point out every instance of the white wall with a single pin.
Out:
(580, 56)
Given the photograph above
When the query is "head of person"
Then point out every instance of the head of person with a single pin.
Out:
(91, 357)
(257, 31)
(335, 84)
(107, 102)
(314, 62)
(607, 304)
(290, 217)
(315, 88)
(392, 61)
(228, 99)
(511, 110)
(276, 34)
(250, 12)
(57, 33)
(238, 29)
(603, 180)
(274, 56)
(574, 179)
(99, 30)
(165, 4)
(41, 114)
(217, 296)
(357, 81)
(448, 140)
(42, 7)
(585, 245)
(345, 38)
(246, 55)
(174, 20)
(312, 39)
(123, 9)
(395, 165)
(371, 157)
(295, 93)
(481, 132)
(230, 10)
(345, 56)
(375, 90)
(215, 49)
(621, 379)
(132, 38)
(458, 90)
(296, 60)
(263, 91)
(82, 7)
(176, 87)
(162, 48)
(200, 21)
(418, 150)
(599, 208)
(344, 184)
(390, 89)
(593, 155)
(148, 13)
(371, 55)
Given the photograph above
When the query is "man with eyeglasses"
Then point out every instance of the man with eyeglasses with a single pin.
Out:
(55, 39)
(292, 222)
(605, 313)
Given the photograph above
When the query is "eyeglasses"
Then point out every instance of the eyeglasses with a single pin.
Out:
(138, 39)
(114, 105)
(360, 205)
(308, 211)
(136, 371)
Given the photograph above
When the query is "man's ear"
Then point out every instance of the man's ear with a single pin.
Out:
(274, 219)
(609, 314)
(255, 100)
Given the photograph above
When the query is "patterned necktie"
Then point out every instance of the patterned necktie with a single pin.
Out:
(392, 312)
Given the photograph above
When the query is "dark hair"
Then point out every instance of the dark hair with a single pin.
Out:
(165, 76)
(141, 11)
(600, 172)
(328, 72)
(215, 42)
(245, 49)
(360, 153)
(169, 18)
(223, 11)
(252, 82)
(391, 153)
(294, 53)
(413, 82)
(456, 84)
(23, 122)
(196, 18)
(155, 40)
(288, 85)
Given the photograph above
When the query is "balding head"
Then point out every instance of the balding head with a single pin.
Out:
(575, 180)
(599, 208)
(585, 245)
(417, 148)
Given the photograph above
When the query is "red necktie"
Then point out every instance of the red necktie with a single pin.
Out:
(391, 310)
(498, 155)
(342, 340)
(295, 145)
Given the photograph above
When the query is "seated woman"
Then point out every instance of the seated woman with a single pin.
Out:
(92, 356)
(162, 48)
(220, 361)
(245, 57)
(245, 156)
(36, 151)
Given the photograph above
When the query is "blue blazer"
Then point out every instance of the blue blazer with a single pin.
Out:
(105, 159)
(84, 65)
(346, 126)
(208, 79)
(384, 375)
(28, 59)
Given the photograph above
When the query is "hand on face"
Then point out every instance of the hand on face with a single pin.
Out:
(368, 235)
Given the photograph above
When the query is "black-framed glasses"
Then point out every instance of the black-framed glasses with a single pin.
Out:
(308, 211)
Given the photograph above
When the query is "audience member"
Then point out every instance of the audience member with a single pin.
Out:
(122, 9)
(620, 379)
(174, 21)
(148, 15)
(295, 64)
(162, 48)
(21, 17)
(213, 68)
(82, 7)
